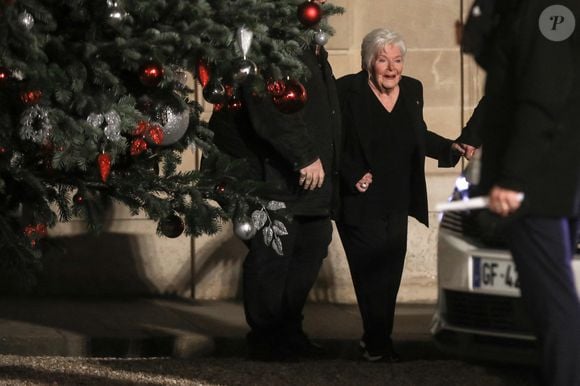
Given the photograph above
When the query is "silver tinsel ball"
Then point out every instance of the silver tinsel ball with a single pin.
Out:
(26, 20)
(321, 38)
(36, 125)
(244, 229)
(173, 123)
(110, 122)
(243, 68)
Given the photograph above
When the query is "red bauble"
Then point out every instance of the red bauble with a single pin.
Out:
(220, 188)
(30, 97)
(138, 146)
(276, 88)
(154, 134)
(309, 13)
(4, 75)
(293, 99)
(234, 104)
(142, 126)
(151, 74)
(78, 199)
(35, 232)
(104, 161)
(202, 72)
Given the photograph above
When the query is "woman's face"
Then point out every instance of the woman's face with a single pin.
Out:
(388, 67)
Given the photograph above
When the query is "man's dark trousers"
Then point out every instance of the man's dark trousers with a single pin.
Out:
(543, 249)
(276, 287)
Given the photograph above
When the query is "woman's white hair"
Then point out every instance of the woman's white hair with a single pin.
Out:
(375, 41)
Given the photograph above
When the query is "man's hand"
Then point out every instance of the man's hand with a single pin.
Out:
(504, 201)
(312, 176)
(363, 184)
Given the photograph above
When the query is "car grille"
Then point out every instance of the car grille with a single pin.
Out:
(477, 224)
(486, 312)
(452, 221)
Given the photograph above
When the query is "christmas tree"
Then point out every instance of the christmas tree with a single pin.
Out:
(95, 106)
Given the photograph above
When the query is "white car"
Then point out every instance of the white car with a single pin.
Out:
(480, 314)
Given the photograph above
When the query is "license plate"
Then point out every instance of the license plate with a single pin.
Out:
(495, 275)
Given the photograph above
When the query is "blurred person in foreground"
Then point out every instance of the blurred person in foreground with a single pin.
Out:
(383, 180)
(295, 155)
(530, 50)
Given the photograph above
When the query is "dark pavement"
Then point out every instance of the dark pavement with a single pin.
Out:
(144, 341)
(178, 328)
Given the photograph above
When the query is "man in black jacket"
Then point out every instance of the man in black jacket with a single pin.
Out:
(295, 155)
(531, 150)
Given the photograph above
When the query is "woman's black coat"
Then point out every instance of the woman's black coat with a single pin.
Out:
(357, 157)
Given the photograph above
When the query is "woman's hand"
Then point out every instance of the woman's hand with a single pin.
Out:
(363, 184)
(467, 151)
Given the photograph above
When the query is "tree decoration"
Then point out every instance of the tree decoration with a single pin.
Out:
(171, 226)
(244, 229)
(61, 61)
(321, 38)
(35, 232)
(154, 134)
(116, 13)
(234, 103)
(309, 13)
(26, 20)
(145, 132)
(214, 92)
(174, 123)
(78, 199)
(244, 67)
(104, 161)
(30, 97)
(5, 75)
(151, 73)
(202, 72)
(220, 188)
(276, 88)
(271, 229)
(110, 122)
(292, 99)
(35, 124)
(138, 146)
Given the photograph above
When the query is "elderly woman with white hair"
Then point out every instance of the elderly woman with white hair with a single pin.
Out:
(383, 180)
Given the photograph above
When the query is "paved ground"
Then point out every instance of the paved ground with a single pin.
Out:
(178, 342)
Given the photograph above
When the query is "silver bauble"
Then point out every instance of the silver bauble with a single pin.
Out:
(26, 20)
(244, 229)
(321, 38)
(174, 123)
(116, 15)
(242, 69)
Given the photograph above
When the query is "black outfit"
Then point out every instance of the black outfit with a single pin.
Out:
(277, 146)
(531, 144)
(373, 225)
